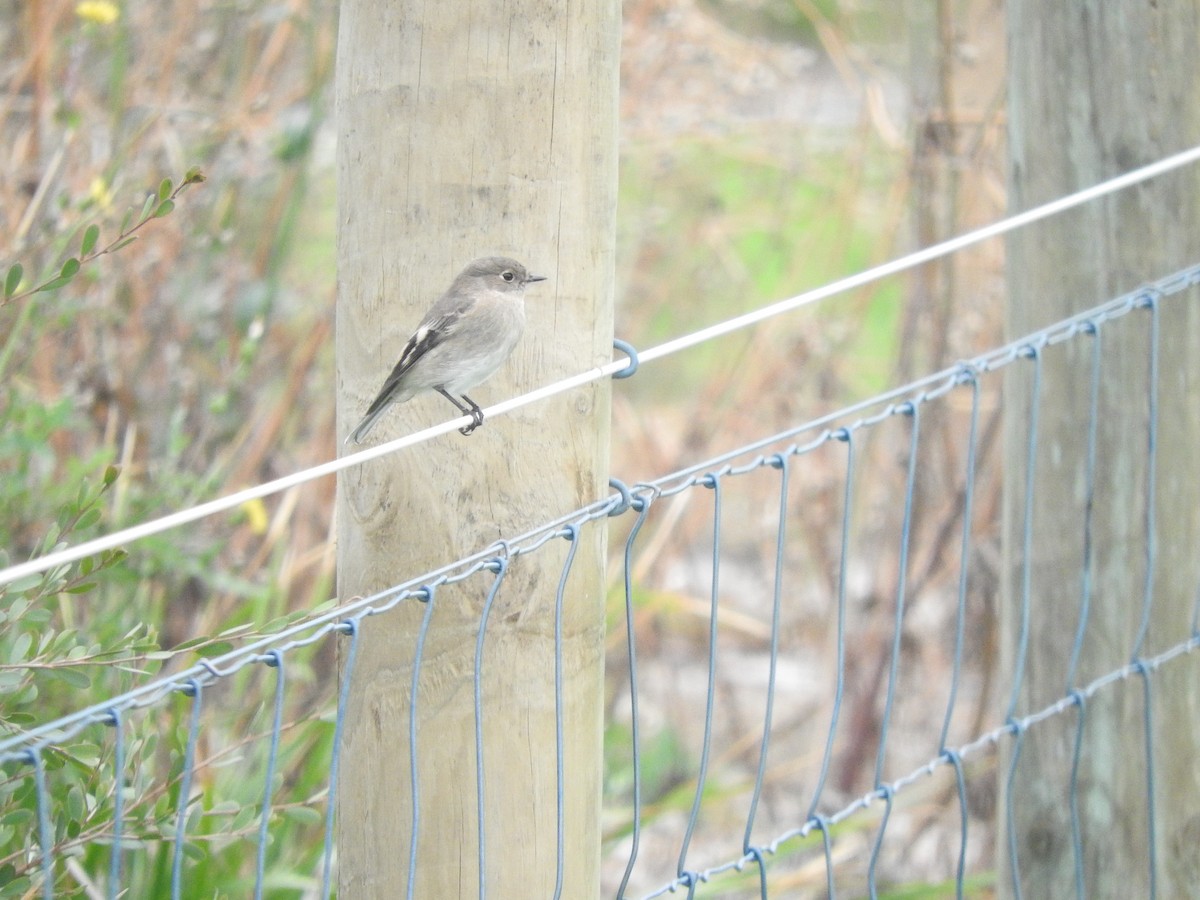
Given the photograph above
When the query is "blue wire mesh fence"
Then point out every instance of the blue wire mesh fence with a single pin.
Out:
(794, 711)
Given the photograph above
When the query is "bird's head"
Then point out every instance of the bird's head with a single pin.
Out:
(500, 273)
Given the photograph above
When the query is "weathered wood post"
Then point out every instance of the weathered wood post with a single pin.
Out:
(468, 129)
(1096, 89)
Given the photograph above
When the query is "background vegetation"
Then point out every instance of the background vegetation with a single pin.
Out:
(767, 148)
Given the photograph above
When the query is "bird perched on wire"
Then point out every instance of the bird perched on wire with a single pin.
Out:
(463, 339)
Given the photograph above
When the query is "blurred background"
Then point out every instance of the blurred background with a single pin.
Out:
(766, 148)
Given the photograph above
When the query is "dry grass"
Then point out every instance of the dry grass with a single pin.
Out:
(195, 358)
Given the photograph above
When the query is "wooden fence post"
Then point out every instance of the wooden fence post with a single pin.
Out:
(465, 130)
(1096, 89)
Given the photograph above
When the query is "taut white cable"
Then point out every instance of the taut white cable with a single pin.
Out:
(231, 501)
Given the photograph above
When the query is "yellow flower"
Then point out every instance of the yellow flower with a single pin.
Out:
(100, 193)
(256, 515)
(102, 12)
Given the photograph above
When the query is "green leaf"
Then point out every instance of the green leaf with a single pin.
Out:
(18, 818)
(13, 279)
(193, 176)
(58, 641)
(39, 616)
(26, 696)
(244, 817)
(110, 475)
(75, 802)
(164, 209)
(53, 285)
(13, 886)
(217, 648)
(10, 681)
(89, 518)
(71, 676)
(110, 558)
(151, 199)
(85, 756)
(68, 271)
(82, 588)
(20, 647)
(125, 220)
(90, 235)
(21, 585)
(164, 189)
(50, 543)
(188, 644)
(193, 851)
(124, 243)
(305, 815)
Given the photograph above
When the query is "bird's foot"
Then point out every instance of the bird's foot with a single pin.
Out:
(476, 421)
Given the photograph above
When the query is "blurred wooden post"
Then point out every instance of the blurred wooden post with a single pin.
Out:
(1096, 89)
(469, 129)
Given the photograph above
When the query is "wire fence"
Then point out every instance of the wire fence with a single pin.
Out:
(820, 717)
(910, 261)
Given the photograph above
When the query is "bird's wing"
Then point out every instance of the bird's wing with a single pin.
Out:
(439, 323)
(434, 329)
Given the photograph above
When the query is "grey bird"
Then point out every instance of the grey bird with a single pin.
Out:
(463, 339)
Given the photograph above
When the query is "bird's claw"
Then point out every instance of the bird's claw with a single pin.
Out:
(476, 421)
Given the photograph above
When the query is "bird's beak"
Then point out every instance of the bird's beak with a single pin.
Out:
(529, 279)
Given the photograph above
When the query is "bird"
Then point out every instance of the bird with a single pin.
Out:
(462, 341)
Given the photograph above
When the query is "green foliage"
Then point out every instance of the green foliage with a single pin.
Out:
(157, 206)
(134, 359)
(223, 814)
(47, 664)
(13, 279)
(57, 656)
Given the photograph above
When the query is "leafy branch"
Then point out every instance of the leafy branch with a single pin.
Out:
(149, 814)
(157, 205)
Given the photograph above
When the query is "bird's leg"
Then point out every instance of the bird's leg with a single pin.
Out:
(476, 415)
(473, 410)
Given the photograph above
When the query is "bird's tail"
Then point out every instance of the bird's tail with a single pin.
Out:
(368, 422)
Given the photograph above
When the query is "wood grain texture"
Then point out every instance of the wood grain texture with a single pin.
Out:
(1096, 89)
(470, 129)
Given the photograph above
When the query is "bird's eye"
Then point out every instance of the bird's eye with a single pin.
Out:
(508, 276)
